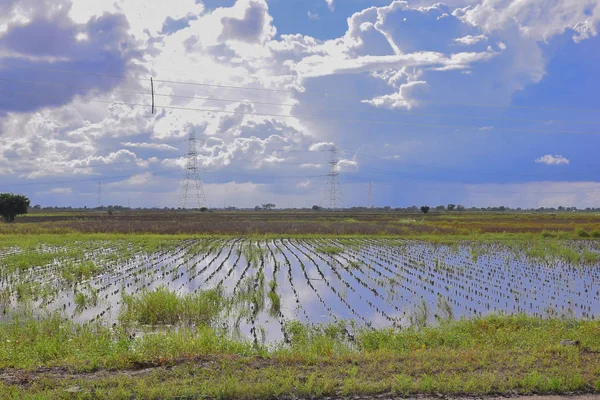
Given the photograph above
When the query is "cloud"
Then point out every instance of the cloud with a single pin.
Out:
(62, 44)
(405, 97)
(135, 180)
(147, 18)
(345, 165)
(304, 184)
(534, 194)
(313, 16)
(534, 19)
(315, 66)
(330, 5)
(397, 56)
(254, 26)
(470, 39)
(321, 146)
(60, 191)
(550, 159)
(154, 146)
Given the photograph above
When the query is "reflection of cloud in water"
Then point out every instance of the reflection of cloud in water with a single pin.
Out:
(377, 280)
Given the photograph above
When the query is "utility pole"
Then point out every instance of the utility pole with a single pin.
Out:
(192, 190)
(371, 195)
(334, 190)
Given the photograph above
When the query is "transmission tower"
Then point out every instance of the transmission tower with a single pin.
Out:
(334, 190)
(99, 194)
(370, 205)
(192, 192)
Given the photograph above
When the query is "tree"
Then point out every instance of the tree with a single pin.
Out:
(12, 205)
(316, 208)
(203, 209)
(460, 207)
(440, 208)
(268, 206)
(425, 209)
(451, 207)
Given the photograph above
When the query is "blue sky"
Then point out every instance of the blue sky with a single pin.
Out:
(473, 102)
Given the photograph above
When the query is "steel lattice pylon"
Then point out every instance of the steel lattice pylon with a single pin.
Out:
(333, 191)
(192, 190)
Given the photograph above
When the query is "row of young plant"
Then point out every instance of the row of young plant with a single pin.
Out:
(372, 281)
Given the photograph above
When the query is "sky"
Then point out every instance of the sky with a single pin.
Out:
(480, 103)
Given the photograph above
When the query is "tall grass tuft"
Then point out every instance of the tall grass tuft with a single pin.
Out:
(165, 307)
(420, 315)
(445, 313)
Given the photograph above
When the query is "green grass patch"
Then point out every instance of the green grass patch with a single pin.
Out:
(164, 307)
(331, 250)
(491, 355)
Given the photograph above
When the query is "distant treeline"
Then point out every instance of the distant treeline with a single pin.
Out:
(415, 209)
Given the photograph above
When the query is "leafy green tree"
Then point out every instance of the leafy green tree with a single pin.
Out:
(451, 207)
(12, 205)
(425, 209)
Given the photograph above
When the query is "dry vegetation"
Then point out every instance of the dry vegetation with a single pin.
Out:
(303, 223)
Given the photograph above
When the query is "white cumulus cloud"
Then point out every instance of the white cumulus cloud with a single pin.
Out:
(550, 159)
(470, 39)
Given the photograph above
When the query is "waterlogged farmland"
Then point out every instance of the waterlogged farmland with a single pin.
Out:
(259, 286)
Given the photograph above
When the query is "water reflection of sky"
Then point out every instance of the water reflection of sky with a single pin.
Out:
(375, 282)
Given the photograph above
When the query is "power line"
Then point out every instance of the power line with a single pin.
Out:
(318, 107)
(26, 171)
(349, 177)
(326, 94)
(143, 79)
(370, 121)
(391, 184)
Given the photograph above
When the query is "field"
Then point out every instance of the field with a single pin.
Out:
(262, 304)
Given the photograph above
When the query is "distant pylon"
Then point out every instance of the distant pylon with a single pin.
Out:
(370, 205)
(192, 191)
(334, 190)
(99, 200)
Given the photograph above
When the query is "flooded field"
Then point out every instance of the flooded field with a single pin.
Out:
(371, 282)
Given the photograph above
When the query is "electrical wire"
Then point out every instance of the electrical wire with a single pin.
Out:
(326, 94)
(350, 120)
(370, 111)
(144, 79)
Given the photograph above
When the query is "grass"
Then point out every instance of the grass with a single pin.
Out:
(491, 355)
(331, 250)
(197, 358)
(164, 307)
